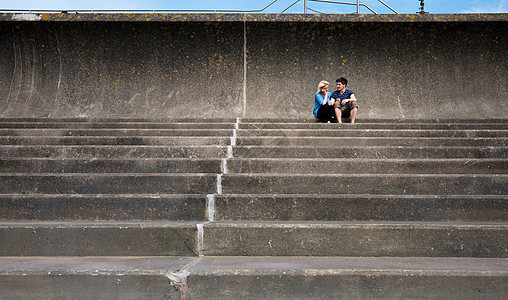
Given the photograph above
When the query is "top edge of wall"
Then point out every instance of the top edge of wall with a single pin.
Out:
(240, 17)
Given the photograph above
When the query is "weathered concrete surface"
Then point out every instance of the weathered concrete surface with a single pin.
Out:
(105, 140)
(118, 151)
(194, 132)
(344, 207)
(89, 277)
(133, 17)
(252, 278)
(103, 207)
(346, 278)
(144, 165)
(98, 238)
(89, 211)
(395, 239)
(351, 131)
(350, 166)
(388, 152)
(128, 65)
(127, 124)
(330, 141)
(406, 70)
(464, 124)
(121, 69)
(104, 183)
(385, 184)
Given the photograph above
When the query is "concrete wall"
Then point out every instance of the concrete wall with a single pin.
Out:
(409, 66)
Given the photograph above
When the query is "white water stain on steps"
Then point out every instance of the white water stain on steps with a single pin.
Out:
(201, 235)
(210, 204)
(219, 184)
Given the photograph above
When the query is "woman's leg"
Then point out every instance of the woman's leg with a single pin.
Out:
(325, 113)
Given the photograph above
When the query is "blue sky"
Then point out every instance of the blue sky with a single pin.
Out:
(402, 6)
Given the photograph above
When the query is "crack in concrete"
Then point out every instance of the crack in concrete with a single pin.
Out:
(178, 279)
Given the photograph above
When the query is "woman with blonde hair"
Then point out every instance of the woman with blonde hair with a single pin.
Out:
(323, 105)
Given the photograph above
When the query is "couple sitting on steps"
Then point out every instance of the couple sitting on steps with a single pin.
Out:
(341, 102)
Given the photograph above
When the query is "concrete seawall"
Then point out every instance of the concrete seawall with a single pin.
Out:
(156, 66)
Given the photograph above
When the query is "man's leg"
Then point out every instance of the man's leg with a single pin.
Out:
(353, 114)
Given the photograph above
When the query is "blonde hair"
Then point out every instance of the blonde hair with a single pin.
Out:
(322, 84)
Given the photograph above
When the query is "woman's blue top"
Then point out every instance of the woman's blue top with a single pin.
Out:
(318, 101)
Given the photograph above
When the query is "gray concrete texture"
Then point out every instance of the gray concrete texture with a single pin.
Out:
(252, 278)
(157, 66)
(98, 239)
(342, 278)
(89, 277)
(122, 207)
(341, 208)
(394, 239)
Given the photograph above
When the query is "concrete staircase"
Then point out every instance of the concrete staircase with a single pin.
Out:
(253, 209)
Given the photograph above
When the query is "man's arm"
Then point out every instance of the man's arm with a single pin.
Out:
(351, 99)
(332, 100)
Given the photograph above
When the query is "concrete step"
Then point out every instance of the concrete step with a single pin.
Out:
(114, 140)
(372, 152)
(365, 166)
(290, 207)
(89, 277)
(371, 125)
(130, 120)
(124, 207)
(112, 151)
(242, 124)
(369, 141)
(111, 132)
(262, 141)
(259, 165)
(395, 239)
(104, 183)
(377, 121)
(112, 165)
(421, 206)
(348, 207)
(352, 132)
(252, 278)
(52, 124)
(346, 278)
(379, 184)
(185, 207)
(100, 238)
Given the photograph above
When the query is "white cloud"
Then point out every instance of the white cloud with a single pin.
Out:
(69, 5)
(402, 6)
(478, 7)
